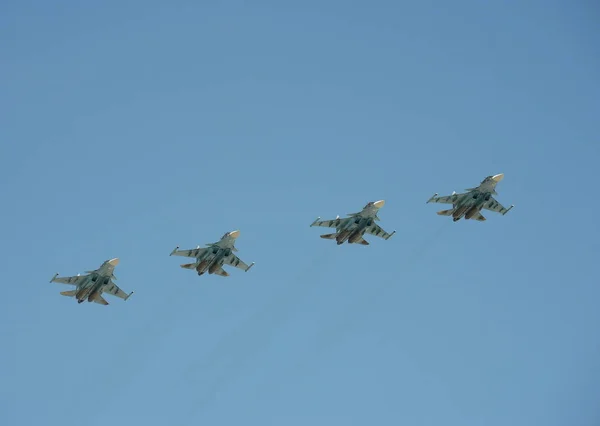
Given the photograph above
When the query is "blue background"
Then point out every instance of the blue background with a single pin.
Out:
(130, 127)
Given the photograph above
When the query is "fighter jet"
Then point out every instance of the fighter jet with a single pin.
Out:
(213, 257)
(353, 228)
(469, 204)
(92, 286)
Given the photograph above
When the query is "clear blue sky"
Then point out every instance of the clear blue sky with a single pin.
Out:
(130, 127)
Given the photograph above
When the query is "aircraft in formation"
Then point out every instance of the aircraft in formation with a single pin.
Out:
(350, 229)
(212, 258)
(353, 228)
(92, 285)
(469, 204)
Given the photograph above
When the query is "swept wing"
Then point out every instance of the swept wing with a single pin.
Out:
(494, 206)
(333, 223)
(378, 231)
(445, 199)
(188, 253)
(112, 288)
(76, 280)
(233, 260)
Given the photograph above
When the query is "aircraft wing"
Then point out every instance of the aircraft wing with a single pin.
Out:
(333, 223)
(378, 231)
(69, 280)
(112, 288)
(494, 206)
(445, 199)
(233, 260)
(188, 253)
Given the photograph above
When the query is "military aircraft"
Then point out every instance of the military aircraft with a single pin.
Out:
(92, 286)
(353, 228)
(213, 257)
(469, 204)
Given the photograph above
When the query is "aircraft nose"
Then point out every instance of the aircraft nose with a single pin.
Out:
(114, 262)
(234, 234)
(497, 178)
(379, 204)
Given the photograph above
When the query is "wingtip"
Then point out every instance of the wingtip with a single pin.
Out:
(432, 197)
(174, 250)
(129, 295)
(315, 221)
(251, 265)
(54, 277)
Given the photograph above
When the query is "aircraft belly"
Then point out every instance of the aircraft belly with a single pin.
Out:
(355, 237)
(471, 212)
(202, 266)
(460, 211)
(342, 236)
(82, 294)
(214, 267)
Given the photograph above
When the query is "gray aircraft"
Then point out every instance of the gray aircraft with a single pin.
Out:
(212, 258)
(469, 204)
(353, 228)
(92, 285)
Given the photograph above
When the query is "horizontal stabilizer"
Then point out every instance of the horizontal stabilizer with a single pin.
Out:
(445, 212)
(189, 266)
(329, 236)
(70, 293)
(479, 217)
(221, 272)
(363, 242)
(100, 300)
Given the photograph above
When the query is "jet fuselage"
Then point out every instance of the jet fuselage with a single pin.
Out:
(91, 287)
(469, 204)
(353, 230)
(211, 260)
(96, 281)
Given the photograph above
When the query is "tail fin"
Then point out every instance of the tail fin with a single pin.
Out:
(70, 293)
(445, 212)
(329, 236)
(189, 266)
